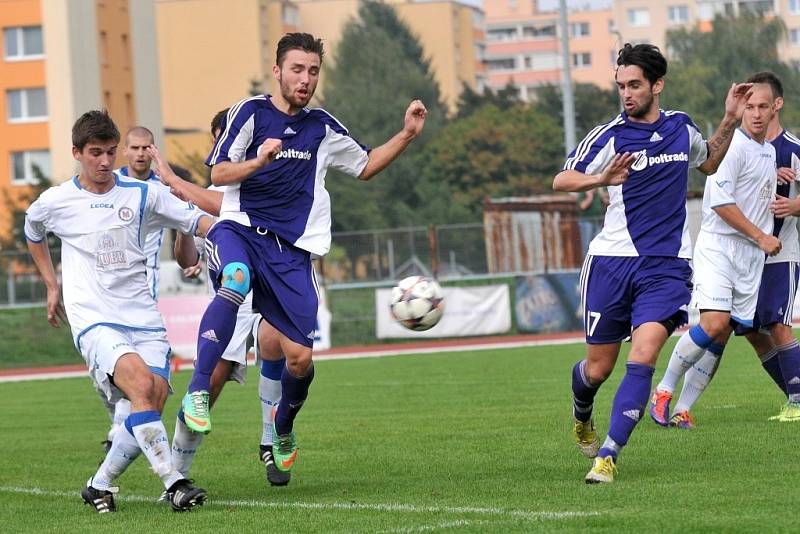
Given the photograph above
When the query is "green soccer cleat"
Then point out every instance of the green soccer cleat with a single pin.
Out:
(284, 449)
(195, 411)
(586, 437)
(790, 413)
(602, 471)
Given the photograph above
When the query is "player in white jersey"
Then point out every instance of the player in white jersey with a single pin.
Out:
(102, 220)
(233, 364)
(771, 335)
(137, 139)
(735, 233)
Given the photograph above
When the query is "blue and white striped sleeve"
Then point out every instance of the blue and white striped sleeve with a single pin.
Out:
(595, 151)
(344, 153)
(237, 135)
(698, 147)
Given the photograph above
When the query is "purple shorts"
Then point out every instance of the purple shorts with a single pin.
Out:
(621, 293)
(282, 279)
(775, 296)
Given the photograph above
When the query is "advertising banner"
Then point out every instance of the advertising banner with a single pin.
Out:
(469, 311)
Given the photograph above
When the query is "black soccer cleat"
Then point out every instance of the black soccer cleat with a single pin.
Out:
(275, 476)
(184, 496)
(101, 500)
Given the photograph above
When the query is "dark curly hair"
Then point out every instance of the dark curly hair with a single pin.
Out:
(645, 56)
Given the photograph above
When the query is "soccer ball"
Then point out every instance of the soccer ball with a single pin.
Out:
(417, 303)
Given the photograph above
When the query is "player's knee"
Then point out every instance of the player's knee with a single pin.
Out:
(598, 372)
(236, 277)
(299, 363)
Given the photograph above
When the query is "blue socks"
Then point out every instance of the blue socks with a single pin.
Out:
(294, 392)
(628, 407)
(216, 331)
(583, 393)
(772, 366)
(789, 362)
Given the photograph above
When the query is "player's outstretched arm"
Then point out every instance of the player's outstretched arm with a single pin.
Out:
(380, 157)
(615, 173)
(44, 263)
(228, 172)
(735, 101)
(731, 214)
(784, 207)
(185, 252)
(207, 201)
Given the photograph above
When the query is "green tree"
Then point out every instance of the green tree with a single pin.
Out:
(380, 68)
(705, 63)
(593, 105)
(495, 153)
(18, 204)
(470, 100)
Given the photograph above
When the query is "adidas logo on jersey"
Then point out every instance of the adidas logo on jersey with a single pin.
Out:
(655, 137)
(795, 380)
(210, 335)
(289, 131)
(633, 414)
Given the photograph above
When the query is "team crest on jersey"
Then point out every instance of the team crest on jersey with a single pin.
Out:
(640, 162)
(125, 213)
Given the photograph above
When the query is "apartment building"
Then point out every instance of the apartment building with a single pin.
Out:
(59, 59)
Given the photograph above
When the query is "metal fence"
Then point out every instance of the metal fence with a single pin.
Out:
(365, 259)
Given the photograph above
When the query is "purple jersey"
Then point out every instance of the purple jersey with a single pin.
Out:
(787, 154)
(646, 215)
(287, 196)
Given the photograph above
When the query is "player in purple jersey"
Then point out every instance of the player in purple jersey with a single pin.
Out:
(273, 155)
(771, 333)
(636, 280)
(232, 363)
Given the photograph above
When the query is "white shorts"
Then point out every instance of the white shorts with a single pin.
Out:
(102, 346)
(727, 275)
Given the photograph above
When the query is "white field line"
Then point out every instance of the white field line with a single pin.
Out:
(344, 356)
(327, 506)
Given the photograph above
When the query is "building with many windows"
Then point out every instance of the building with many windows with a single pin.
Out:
(523, 46)
(59, 59)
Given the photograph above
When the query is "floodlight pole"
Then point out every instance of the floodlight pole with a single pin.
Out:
(568, 97)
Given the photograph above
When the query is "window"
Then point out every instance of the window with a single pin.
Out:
(291, 16)
(706, 11)
(26, 104)
(501, 34)
(582, 60)
(539, 32)
(579, 29)
(545, 61)
(678, 14)
(500, 64)
(23, 42)
(794, 6)
(126, 52)
(639, 17)
(27, 166)
(794, 36)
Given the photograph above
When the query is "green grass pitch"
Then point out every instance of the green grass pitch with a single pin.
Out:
(462, 441)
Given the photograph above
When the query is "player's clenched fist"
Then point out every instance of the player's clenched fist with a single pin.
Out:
(415, 118)
(269, 150)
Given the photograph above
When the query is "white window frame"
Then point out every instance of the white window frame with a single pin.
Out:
(581, 25)
(635, 24)
(794, 36)
(794, 7)
(676, 9)
(20, 31)
(25, 113)
(581, 64)
(29, 177)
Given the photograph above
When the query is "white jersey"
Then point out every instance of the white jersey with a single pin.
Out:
(153, 241)
(787, 148)
(102, 255)
(746, 177)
